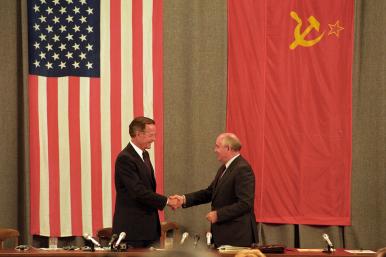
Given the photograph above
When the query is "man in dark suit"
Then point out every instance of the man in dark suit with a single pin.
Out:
(137, 203)
(231, 194)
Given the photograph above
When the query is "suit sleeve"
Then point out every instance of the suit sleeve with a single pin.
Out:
(244, 191)
(127, 171)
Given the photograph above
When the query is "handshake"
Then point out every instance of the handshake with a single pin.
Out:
(176, 201)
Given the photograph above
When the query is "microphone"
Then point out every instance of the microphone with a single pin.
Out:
(208, 238)
(183, 238)
(330, 246)
(327, 239)
(113, 238)
(122, 236)
(196, 239)
(89, 237)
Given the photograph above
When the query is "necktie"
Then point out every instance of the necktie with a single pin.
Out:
(219, 174)
(223, 168)
(146, 159)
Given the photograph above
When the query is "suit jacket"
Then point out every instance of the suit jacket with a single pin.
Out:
(232, 196)
(137, 204)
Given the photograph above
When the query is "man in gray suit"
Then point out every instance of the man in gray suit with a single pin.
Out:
(231, 193)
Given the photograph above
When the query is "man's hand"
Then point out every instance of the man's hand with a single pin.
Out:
(212, 217)
(175, 201)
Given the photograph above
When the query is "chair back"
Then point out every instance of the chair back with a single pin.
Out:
(104, 236)
(169, 228)
(8, 233)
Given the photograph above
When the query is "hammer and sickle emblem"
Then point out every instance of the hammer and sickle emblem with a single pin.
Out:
(299, 37)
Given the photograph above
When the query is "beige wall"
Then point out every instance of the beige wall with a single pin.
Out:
(9, 112)
(195, 54)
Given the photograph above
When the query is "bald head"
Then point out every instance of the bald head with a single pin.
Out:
(230, 140)
(227, 146)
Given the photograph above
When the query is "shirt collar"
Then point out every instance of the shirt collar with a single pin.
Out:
(137, 149)
(231, 160)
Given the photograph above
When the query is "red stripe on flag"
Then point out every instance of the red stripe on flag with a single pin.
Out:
(34, 155)
(158, 95)
(115, 100)
(137, 58)
(53, 155)
(96, 163)
(75, 161)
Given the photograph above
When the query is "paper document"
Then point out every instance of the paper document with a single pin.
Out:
(309, 250)
(359, 251)
(231, 249)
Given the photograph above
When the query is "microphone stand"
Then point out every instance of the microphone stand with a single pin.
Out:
(89, 246)
(329, 249)
(120, 248)
(196, 239)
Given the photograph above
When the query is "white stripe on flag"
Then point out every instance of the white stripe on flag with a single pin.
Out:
(64, 158)
(105, 112)
(147, 21)
(127, 111)
(85, 153)
(44, 173)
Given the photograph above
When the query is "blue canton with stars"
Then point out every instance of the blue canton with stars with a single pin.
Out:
(64, 38)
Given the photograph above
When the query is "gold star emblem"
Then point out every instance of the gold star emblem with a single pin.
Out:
(335, 28)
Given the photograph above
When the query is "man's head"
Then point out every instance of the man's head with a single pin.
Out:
(250, 253)
(142, 131)
(381, 252)
(227, 146)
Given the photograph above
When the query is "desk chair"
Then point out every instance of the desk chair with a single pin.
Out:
(104, 236)
(169, 229)
(8, 233)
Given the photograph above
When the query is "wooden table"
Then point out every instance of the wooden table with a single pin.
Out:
(144, 252)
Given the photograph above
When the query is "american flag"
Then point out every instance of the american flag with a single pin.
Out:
(94, 65)
(64, 38)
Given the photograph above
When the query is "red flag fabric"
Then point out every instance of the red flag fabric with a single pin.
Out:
(289, 100)
(94, 65)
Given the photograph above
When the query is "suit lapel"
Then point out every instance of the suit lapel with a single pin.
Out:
(225, 177)
(153, 181)
(144, 167)
(218, 175)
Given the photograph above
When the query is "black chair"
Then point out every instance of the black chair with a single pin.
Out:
(104, 236)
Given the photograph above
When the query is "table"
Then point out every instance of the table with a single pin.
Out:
(290, 252)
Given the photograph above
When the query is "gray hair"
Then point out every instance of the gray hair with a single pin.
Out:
(231, 140)
(139, 124)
